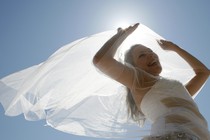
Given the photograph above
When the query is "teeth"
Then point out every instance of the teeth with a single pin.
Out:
(153, 62)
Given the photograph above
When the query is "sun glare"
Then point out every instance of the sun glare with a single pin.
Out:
(123, 24)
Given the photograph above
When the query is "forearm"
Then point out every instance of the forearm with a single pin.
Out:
(109, 49)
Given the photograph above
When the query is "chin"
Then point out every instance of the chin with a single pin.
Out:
(157, 71)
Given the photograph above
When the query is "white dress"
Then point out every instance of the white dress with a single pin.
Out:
(170, 108)
(74, 97)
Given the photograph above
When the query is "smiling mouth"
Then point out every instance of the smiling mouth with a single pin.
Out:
(153, 63)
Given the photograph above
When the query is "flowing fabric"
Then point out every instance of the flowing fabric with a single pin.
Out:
(74, 97)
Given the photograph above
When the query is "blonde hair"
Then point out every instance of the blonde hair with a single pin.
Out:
(133, 110)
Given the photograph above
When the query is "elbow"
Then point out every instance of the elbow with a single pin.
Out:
(98, 61)
(95, 60)
(202, 71)
(207, 72)
(203, 74)
(102, 62)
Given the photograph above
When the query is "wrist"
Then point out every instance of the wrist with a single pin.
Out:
(177, 49)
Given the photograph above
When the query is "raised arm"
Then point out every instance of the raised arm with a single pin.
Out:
(104, 58)
(201, 71)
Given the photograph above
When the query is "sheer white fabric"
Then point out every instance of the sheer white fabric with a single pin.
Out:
(74, 97)
(170, 108)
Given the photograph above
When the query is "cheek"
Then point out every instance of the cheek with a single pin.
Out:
(141, 64)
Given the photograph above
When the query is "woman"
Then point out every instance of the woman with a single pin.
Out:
(167, 103)
(73, 97)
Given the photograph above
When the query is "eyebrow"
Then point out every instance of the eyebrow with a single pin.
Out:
(148, 50)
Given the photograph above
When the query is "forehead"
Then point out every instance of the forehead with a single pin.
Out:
(140, 49)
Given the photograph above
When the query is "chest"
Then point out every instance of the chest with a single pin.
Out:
(138, 95)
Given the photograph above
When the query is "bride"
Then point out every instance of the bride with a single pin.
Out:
(166, 102)
(135, 87)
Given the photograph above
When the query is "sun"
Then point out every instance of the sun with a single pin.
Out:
(123, 24)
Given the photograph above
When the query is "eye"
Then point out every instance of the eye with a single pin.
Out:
(142, 55)
(150, 51)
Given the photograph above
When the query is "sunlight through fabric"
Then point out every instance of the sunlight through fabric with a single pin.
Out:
(75, 97)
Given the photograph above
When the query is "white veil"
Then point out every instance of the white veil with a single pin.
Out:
(74, 97)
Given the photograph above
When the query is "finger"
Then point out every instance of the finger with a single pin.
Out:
(137, 24)
(132, 28)
(161, 45)
(166, 41)
(119, 29)
(159, 42)
(162, 41)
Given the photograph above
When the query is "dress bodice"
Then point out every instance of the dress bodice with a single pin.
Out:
(168, 104)
(152, 105)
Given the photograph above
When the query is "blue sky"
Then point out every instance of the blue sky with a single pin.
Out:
(31, 30)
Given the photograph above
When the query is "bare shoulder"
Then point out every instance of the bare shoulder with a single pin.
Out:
(126, 74)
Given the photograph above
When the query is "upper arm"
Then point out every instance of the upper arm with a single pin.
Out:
(117, 71)
(196, 82)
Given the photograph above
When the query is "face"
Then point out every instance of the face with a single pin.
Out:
(144, 58)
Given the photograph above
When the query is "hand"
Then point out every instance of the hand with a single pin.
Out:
(127, 31)
(167, 45)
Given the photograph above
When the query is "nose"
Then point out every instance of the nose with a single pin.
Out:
(150, 55)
